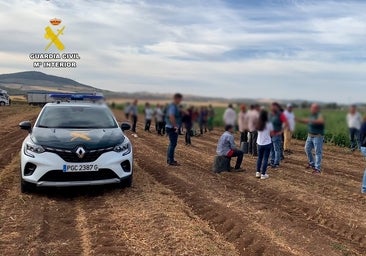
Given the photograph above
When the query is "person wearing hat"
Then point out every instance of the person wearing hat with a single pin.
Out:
(226, 147)
(289, 130)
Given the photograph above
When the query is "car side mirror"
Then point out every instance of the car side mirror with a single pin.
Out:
(125, 126)
(26, 125)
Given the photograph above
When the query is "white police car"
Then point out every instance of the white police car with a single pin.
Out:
(75, 143)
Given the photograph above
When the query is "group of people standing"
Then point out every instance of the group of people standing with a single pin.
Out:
(268, 135)
(177, 117)
(357, 130)
(189, 121)
(264, 134)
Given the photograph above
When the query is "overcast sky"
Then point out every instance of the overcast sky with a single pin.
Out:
(284, 49)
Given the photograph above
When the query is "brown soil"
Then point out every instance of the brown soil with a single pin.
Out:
(186, 210)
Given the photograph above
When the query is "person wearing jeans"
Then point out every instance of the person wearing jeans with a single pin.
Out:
(276, 150)
(173, 122)
(173, 141)
(315, 138)
(279, 122)
(226, 147)
(264, 141)
(314, 142)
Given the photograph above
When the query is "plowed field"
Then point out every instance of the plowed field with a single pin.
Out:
(185, 210)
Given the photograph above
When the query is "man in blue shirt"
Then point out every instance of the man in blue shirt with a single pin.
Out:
(226, 146)
(173, 121)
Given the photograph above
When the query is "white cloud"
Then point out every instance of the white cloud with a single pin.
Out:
(218, 48)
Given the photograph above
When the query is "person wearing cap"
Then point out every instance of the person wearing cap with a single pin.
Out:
(288, 132)
(226, 147)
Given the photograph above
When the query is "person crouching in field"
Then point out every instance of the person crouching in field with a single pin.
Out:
(315, 138)
(363, 151)
(264, 141)
(226, 147)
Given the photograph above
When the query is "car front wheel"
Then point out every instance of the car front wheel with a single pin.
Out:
(127, 183)
(26, 187)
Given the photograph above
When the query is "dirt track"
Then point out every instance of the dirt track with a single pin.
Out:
(185, 210)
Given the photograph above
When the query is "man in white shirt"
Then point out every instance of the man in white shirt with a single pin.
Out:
(252, 117)
(354, 122)
(289, 130)
(230, 116)
(243, 123)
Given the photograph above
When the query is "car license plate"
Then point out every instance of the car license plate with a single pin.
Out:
(80, 168)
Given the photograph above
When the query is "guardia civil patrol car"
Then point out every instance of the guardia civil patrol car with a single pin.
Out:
(75, 141)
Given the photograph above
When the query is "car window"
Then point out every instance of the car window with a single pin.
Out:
(76, 117)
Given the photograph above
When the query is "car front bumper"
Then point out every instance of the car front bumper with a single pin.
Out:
(48, 162)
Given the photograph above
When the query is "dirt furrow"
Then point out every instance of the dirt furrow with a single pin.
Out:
(235, 228)
(316, 217)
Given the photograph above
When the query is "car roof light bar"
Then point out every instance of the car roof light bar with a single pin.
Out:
(76, 97)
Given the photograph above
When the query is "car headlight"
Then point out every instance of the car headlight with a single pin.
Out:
(124, 148)
(30, 149)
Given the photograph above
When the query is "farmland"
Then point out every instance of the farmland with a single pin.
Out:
(336, 132)
(185, 210)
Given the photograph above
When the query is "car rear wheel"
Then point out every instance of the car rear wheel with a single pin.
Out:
(2, 103)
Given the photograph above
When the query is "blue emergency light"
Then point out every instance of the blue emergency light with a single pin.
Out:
(76, 96)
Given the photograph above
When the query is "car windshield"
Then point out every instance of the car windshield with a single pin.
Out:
(76, 117)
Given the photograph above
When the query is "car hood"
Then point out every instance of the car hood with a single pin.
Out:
(71, 138)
